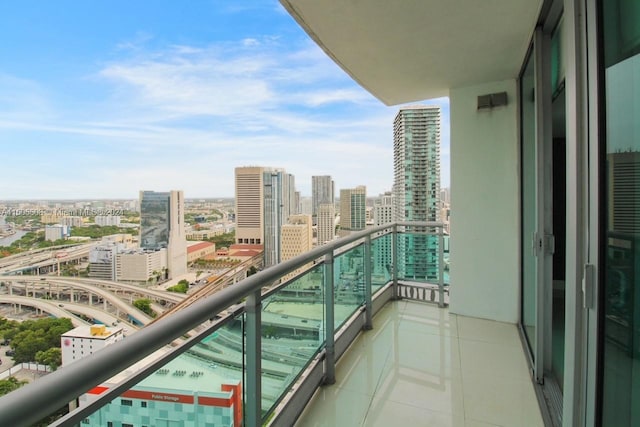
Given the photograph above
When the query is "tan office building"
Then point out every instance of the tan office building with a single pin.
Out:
(296, 238)
(249, 205)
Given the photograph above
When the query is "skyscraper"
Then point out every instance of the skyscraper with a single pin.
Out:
(353, 209)
(416, 187)
(162, 226)
(322, 192)
(265, 198)
(275, 183)
(382, 248)
(249, 205)
(296, 239)
(326, 223)
(383, 209)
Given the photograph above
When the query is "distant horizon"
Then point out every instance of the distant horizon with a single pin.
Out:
(190, 198)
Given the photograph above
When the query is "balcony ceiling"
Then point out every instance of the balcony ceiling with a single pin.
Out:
(410, 50)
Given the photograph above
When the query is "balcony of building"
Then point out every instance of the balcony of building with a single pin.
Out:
(423, 366)
(357, 339)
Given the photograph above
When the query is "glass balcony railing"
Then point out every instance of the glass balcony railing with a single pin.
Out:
(259, 351)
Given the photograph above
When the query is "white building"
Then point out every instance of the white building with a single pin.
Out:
(85, 340)
(107, 220)
(383, 209)
(102, 260)
(56, 232)
(139, 265)
(71, 221)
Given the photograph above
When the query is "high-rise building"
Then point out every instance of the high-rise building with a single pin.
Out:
(416, 188)
(322, 192)
(265, 198)
(274, 188)
(382, 248)
(106, 220)
(162, 226)
(249, 205)
(296, 239)
(306, 206)
(353, 209)
(102, 261)
(71, 221)
(383, 209)
(326, 223)
(56, 232)
(279, 191)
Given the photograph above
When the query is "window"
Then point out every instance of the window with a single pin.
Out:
(126, 402)
(143, 404)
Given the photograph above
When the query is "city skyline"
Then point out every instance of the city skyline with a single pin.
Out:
(97, 106)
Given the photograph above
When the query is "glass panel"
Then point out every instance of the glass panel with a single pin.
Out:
(528, 191)
(557, 61)
(621, 307)
(201, 386)
(381, 257)
(560, 233)
(292, 334)
(348, 270)
(418, 254)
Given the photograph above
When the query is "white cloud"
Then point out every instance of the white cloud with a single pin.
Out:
(185, 116)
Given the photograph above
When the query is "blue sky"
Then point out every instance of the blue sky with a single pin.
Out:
(100, 99)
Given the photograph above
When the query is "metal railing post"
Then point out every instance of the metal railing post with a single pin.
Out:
(329, 321)
(394, 262)
(368, 307)
(253, 388)
(441, 267)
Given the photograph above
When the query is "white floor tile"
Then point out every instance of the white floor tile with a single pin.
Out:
(422, 366)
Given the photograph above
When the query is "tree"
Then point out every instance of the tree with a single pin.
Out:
(144, 305)
(10, 384)
(32, 336)
(51, 357)
(182, 287)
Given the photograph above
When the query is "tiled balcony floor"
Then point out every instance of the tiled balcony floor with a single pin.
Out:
(421, 366)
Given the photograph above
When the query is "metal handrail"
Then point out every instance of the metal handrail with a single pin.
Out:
(37, 400)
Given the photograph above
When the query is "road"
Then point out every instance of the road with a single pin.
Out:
(50, 307)
(43, 285)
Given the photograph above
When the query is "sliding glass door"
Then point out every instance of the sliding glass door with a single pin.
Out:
(620, 253)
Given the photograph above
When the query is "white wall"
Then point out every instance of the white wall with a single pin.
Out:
(484, 204)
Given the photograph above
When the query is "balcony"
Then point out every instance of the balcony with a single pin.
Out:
(421, 365)
(256, 352)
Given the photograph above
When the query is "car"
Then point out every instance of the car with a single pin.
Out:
(10, 353)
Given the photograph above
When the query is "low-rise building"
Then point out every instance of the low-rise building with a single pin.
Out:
(139, 265)
(196, 250)
(87, 339)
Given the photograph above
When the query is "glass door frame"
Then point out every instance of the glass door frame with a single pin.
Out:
(541, 355)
